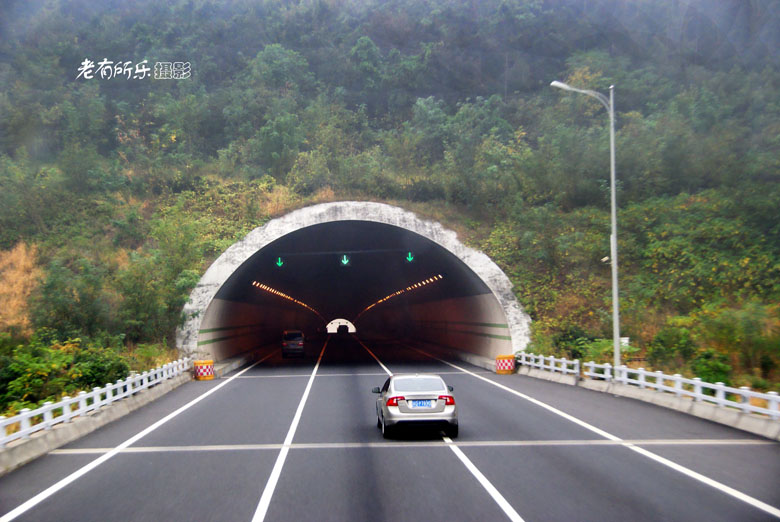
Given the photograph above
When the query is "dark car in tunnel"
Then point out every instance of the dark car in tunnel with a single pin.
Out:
(293, 343)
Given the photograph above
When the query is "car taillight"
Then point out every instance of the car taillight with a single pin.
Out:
(284, 344)
(449, 400)
(393, 401)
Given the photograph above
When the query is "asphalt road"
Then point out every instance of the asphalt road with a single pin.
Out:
(296, 439)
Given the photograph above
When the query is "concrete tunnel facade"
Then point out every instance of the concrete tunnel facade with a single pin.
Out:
(389, 272)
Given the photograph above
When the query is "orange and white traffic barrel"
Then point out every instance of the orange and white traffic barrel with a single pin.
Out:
(505, 364)
(204, 370)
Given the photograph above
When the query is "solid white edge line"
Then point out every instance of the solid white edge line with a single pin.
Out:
(270, 486)
(497, 497)
(657, 458)
(43, 495)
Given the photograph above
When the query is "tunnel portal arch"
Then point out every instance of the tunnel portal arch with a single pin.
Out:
(333, 326)
(195, 339)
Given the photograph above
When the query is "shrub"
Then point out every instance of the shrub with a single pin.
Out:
(671, 344)
(711, 367)
(97, 367)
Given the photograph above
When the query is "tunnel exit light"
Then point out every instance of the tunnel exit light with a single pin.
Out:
(410, 288)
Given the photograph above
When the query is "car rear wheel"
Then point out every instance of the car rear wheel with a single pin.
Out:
(385, 429)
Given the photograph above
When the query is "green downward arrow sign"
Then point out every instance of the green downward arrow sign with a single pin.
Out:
(279, 262)
(410, 257)
(345, 260)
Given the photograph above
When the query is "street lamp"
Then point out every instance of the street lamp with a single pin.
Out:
(609, 104)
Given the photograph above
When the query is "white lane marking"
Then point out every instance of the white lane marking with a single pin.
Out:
(385, 368)
(432, 443)
(657, 458)
(482, 479)
(43, 495)
(497, 497)
(270, 486)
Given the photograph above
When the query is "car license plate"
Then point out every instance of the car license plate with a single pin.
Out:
(421, 403)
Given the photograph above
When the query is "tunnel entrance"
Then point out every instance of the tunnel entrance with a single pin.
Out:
(382, 268)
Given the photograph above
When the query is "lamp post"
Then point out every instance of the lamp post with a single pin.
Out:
(609, 104)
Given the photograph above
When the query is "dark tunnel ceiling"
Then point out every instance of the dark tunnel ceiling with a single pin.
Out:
(312, 271)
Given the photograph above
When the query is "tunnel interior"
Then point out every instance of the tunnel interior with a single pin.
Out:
(390, 281)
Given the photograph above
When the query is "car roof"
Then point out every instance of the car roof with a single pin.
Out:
(397, 375)
(417, 375)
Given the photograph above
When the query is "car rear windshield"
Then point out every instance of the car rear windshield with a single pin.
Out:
(415, 384)
(293, 336)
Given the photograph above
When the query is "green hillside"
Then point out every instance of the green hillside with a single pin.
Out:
(118, 189)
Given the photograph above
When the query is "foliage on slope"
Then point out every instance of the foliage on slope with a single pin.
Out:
(123, 190)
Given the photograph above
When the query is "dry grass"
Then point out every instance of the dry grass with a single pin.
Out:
(19, 275)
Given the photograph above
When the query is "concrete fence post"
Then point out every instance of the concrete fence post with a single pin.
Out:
(145, 380)
(24, 422)
(773, 405)
(67, 409)
(697, 389)
(659, 380)
(577, 367)
(608, 372)
(642, 380)
(96, 400)
(623, 374)
(564, 366)
(48, 415)
(82, 403)
(677, 385)
(720, 394)
(744, 398)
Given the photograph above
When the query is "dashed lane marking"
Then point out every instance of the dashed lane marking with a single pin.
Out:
(270, 486)
(497, 497)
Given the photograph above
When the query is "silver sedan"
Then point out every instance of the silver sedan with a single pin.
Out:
(416, 399)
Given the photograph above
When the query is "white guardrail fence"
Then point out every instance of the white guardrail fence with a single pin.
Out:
(696, 389)
(29, 421)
